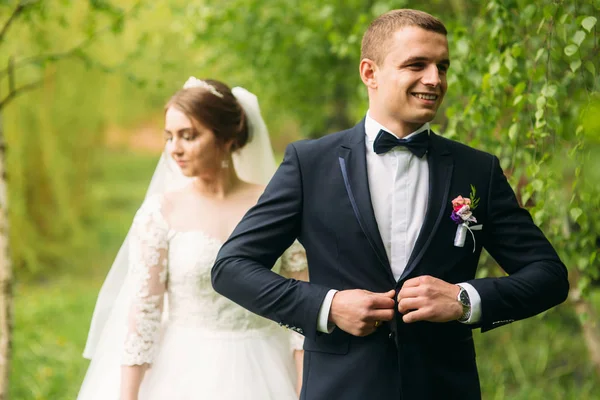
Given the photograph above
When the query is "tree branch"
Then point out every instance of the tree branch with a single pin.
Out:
(11, 96)
(69, 53)
(11, 74)
(18, 10)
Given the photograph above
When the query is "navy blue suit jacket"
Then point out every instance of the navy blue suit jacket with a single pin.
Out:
(320, 195)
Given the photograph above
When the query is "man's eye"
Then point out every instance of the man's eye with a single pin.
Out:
(417, 66)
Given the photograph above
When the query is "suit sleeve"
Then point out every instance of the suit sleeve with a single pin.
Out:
(242, 271)
(537, 278)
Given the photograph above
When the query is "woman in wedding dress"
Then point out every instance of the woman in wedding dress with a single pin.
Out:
(159, 330)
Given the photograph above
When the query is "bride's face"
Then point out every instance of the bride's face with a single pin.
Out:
(195, 148)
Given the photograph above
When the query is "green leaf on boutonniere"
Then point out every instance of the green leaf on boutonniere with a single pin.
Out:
(474, 200)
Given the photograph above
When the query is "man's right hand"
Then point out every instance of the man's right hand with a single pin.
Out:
(359, 312)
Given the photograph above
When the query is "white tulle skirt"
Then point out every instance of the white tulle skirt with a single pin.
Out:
(196, 364)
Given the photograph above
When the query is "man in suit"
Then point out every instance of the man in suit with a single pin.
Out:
(392, 299)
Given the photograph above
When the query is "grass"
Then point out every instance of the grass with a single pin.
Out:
(51, 323)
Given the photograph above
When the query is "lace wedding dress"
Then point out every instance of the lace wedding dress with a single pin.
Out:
(199, 344)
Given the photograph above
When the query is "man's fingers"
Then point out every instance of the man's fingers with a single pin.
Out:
(381, 315)
(417, 315)
(409, 292)
(412, 282)
(389, 293)
(406, 305)
(377, 301)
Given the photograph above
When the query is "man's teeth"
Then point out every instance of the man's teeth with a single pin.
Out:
(426, 96)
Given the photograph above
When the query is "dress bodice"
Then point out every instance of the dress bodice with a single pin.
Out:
(170, 271)
(192, 301)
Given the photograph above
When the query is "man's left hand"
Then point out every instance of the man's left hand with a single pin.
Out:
(426, 298)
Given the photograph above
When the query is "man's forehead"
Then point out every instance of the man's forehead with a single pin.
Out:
(414, 42)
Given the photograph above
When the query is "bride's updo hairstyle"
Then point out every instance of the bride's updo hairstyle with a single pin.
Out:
(211, 103)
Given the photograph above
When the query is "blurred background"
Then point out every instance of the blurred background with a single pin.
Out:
(82, 89)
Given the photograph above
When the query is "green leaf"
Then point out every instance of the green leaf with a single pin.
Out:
(539, 216)
(575, 213)
(516, 50)
(525, 196)
(575, 65)
(588, 23)
(539, 114)
(537, 185)
(551, 102)
(539, 53)
(494, 67)
(517, 100)
(520, 88)
(571, 49)
(549, 90)
(590, 67)
(541, 25)
(510, 63)
(579, 37)
(512, 132)
(540, 102)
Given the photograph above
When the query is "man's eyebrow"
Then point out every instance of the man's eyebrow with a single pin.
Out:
(411, 60)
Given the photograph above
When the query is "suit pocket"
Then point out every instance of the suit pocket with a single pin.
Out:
(336, 342)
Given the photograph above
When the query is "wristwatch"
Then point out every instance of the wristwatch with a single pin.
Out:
(465, 301)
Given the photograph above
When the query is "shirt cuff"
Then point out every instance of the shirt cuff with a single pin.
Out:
(475, 299)
(323, 324)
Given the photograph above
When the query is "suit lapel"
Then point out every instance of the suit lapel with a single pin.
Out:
(353, 165)
(440, 174)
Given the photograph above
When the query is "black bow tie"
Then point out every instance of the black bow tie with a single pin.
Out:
(417, 144)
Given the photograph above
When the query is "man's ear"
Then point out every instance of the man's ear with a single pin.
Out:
(368, 73)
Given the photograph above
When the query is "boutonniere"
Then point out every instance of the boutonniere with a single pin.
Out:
(462, 215)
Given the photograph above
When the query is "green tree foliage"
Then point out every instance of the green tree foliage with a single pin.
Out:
(50, 149)
(521, 79)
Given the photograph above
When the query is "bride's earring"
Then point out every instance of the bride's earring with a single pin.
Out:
(225, 163)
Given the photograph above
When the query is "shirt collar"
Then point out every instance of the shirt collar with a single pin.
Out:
(373, 127)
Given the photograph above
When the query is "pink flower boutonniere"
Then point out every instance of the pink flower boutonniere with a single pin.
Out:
(462, 214)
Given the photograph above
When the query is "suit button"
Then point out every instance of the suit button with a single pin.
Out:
(391, 336)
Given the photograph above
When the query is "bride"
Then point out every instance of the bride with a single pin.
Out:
(159, 330)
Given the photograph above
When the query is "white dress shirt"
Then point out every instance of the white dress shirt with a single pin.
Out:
(399, 188)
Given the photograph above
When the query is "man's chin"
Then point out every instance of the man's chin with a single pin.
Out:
(427, 115)
(423, 118)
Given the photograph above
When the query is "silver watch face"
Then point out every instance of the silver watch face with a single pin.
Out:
(463, 297)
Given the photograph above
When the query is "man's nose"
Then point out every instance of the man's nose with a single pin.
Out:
(431, 76)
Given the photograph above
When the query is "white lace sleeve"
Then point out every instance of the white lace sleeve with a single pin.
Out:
(148, 275)
(293, 259)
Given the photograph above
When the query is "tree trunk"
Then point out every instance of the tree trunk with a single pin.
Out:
(5, 278)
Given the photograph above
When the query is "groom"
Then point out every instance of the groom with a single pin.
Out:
(392, 297)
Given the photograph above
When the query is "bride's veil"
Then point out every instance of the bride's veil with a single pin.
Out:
(253, 163)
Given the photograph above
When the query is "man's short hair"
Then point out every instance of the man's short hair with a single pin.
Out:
(376, 38)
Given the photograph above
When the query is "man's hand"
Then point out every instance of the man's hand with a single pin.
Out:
(359, 312)
(426, 298)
